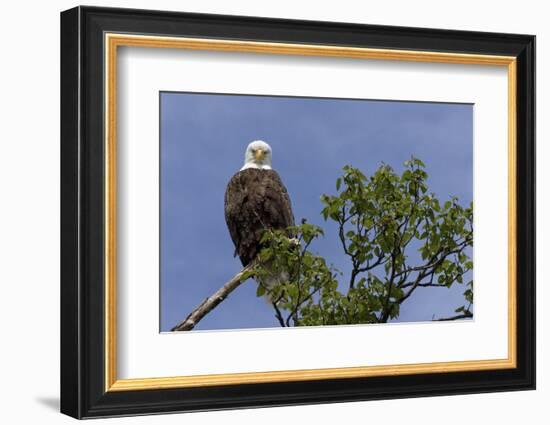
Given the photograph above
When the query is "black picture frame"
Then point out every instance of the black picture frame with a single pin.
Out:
(83, 392)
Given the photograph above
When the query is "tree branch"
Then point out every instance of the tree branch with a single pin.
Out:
(425, 285)
(385, 313)
(212, 302)
(278, 314)
(465, 315)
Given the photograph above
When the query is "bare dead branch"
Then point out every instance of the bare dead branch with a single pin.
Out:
(213, 301)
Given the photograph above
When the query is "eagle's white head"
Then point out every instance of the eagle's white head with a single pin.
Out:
(257, 155)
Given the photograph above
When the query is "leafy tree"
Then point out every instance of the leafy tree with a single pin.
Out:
(398, 237)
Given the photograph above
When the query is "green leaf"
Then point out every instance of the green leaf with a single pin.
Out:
(260, 291)
(247, 275)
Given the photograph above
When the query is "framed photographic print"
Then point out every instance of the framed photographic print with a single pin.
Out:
(261, 212)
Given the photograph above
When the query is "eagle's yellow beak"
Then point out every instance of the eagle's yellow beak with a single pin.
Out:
(259, 155)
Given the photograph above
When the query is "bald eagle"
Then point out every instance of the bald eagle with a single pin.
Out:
(255, 199)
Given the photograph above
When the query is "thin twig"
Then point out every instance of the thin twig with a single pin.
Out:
(465, 315)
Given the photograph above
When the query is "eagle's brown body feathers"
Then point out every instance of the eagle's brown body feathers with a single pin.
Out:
(255, 200)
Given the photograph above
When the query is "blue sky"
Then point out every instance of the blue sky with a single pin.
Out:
(203, 139)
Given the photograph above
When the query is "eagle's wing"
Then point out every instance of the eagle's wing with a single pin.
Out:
(278, 202)
(235, 198)
(255, 200)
